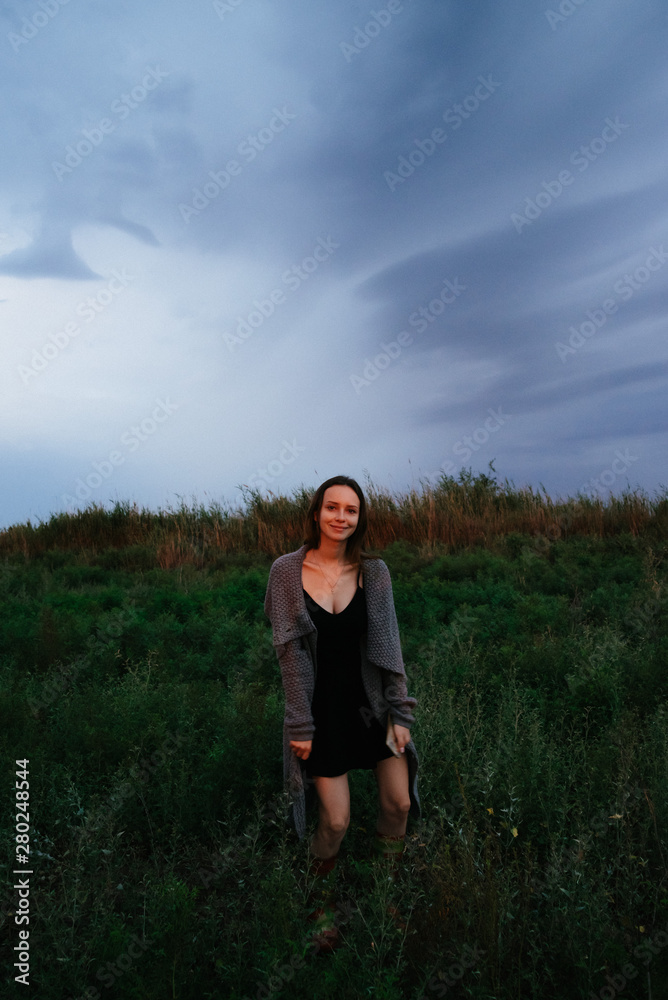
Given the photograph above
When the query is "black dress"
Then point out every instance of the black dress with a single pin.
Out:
(347, 735)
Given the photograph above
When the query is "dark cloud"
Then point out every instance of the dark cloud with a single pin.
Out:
(50, 255)
(237, 139)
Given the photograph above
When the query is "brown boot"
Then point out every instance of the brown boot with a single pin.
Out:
(324, 916)
(389, 851)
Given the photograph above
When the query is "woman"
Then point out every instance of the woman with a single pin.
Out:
(337, 640)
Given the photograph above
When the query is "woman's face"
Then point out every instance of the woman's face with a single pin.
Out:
(339, 513)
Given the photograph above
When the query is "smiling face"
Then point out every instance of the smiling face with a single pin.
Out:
(339, 513)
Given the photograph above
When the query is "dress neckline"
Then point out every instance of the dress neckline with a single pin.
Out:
(333, 614)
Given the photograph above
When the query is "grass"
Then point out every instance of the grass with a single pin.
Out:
(471, 510)
(137, 675)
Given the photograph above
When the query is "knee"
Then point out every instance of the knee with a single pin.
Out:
(398, 807)
(404, 807)
(337, 824)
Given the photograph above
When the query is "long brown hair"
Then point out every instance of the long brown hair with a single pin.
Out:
(354, 544)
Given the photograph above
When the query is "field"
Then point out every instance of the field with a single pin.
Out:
(137, 675)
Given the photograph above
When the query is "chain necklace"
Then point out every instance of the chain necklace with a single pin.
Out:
(332, 588)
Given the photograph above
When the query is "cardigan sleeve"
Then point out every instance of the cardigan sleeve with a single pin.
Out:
(274, 573)
(388, 609)
(294, 654)
(396, 695)
(385, 650)
(383, 642)
(297, 672)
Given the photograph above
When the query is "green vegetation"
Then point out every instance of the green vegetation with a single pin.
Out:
(137, 675)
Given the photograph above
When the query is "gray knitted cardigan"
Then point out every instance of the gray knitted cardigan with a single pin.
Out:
(383, 673)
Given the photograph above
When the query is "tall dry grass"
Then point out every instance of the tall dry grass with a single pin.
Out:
(456, 513)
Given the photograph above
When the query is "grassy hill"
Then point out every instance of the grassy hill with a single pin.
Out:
(137, 675)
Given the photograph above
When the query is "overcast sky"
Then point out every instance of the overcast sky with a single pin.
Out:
(265, 242)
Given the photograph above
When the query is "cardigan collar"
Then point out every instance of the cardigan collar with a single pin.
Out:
(297, 622)
(290, 618)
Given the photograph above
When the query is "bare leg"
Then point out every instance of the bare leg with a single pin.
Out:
(334, 815)
(393, 797)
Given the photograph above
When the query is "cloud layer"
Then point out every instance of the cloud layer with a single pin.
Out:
(400, 239)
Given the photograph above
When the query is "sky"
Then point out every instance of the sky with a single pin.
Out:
(257, 244)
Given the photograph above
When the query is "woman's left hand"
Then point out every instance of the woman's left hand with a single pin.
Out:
(402, 736)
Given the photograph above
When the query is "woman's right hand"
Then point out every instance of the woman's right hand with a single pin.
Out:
(301, 748)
